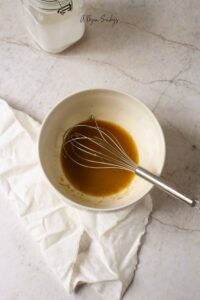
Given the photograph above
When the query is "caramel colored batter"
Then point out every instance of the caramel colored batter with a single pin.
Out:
(100, 182)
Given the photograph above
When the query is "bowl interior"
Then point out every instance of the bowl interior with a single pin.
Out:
(107, 105)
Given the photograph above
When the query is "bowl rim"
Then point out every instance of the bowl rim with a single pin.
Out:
(131, 97)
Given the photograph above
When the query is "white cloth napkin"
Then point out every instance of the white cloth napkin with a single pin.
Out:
(99, 249)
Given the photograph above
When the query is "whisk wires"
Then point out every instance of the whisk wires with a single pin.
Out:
(99, 150)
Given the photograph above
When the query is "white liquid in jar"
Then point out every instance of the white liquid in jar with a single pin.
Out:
(53, 31)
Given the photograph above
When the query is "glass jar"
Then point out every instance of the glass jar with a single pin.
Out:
(54, 25)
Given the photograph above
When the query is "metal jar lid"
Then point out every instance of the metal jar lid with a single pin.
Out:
(58, 5)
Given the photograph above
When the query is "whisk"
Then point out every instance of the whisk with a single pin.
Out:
(102, 150)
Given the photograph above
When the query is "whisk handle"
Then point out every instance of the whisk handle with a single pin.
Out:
(163, 185)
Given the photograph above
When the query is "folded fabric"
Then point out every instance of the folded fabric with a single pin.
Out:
(99, 249)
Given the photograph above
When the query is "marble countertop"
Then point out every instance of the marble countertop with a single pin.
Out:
(152, 53)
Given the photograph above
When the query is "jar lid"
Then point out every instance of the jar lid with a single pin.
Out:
(61, 5)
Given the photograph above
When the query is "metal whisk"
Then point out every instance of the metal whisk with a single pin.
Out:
(104, 151)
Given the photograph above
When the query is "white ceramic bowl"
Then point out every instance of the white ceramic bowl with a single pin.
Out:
(107, 105)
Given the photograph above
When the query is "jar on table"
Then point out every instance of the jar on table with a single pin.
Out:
(54, 25)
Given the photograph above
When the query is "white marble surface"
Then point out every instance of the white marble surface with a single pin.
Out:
(154, 54)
